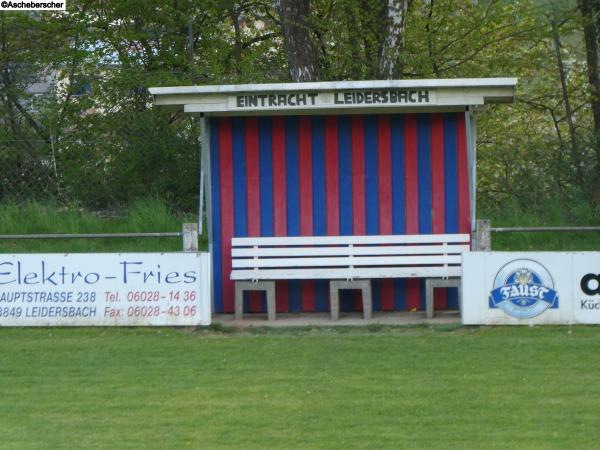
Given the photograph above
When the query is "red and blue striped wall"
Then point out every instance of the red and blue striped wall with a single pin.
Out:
(336, 175)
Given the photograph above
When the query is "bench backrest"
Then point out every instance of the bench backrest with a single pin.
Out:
(348, 257)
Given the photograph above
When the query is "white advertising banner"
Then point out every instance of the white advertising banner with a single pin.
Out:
(516, 288)
(105, 289)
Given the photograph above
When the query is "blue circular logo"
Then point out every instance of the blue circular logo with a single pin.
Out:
(524, 289)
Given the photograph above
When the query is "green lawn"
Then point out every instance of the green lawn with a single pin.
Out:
(401, 387)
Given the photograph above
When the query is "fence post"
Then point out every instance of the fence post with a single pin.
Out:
(190, 237)
(484, 236)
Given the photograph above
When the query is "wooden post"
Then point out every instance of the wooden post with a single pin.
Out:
(484, 236)
(190, 237)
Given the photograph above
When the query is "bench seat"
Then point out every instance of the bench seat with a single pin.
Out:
(348, 259)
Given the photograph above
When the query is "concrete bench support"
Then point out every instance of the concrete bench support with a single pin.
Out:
(431, 284)
(334, 296)
(267, 286)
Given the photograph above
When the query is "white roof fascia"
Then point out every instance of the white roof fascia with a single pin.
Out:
(336, 85)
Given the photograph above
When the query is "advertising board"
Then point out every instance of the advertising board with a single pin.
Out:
(105, 289)
(513, 288)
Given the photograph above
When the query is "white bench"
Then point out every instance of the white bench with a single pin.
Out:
(349, 262)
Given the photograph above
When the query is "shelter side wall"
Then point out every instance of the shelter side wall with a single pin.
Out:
(336, 175)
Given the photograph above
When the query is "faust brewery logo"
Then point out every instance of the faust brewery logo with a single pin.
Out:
(523, 289)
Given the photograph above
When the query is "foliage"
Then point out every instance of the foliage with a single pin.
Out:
(95, 139)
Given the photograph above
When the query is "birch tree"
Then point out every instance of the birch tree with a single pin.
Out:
(390, 63)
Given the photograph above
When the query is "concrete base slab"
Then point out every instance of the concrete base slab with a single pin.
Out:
(348, 319)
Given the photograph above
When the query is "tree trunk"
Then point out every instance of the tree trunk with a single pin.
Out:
(234, 15)
(430, 40)
(390, 65)
(297, 42)
(591, 54)
(575, 156)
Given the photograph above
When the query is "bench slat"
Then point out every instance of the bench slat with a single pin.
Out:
(342, 274)
(346, 250)
(345, 240)
(347, 261)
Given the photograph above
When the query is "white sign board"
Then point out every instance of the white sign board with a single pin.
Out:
(105, 289)
(516, 288)
(342, 99)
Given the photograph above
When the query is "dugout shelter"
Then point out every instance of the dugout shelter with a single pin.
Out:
(336, 158)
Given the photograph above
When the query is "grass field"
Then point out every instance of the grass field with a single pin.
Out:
(343, 388)
(411, 387)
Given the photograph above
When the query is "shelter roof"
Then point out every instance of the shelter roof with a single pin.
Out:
(338, 96)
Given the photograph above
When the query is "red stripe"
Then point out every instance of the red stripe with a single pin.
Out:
(438, 213)
(411, 175)
(252, 177)
(358, 186)
(279, 183)
(464, 215)
(279, 202)
(253, 196)
(358, 176)
(413, 291)
(305, 174)
(332, 184)
(226, 180)
(306, 198)
(384, 161)
(385, 175)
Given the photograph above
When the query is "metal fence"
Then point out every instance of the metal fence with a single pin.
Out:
(484, 230)
(189, 235)
(100, 153)
(129, 160)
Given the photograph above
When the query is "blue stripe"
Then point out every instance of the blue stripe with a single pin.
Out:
(265, 150)
(424, 172)
(451, 187)
(398, 176)
(322, 295)
(345, 192)
(216, 214)
(424, 175)
(398, 198)
(240, 222)
(372, 192)
(400, 294)
(345, 174)
(292, 201)
(318, 176)
(371, 176)
(319, 195)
